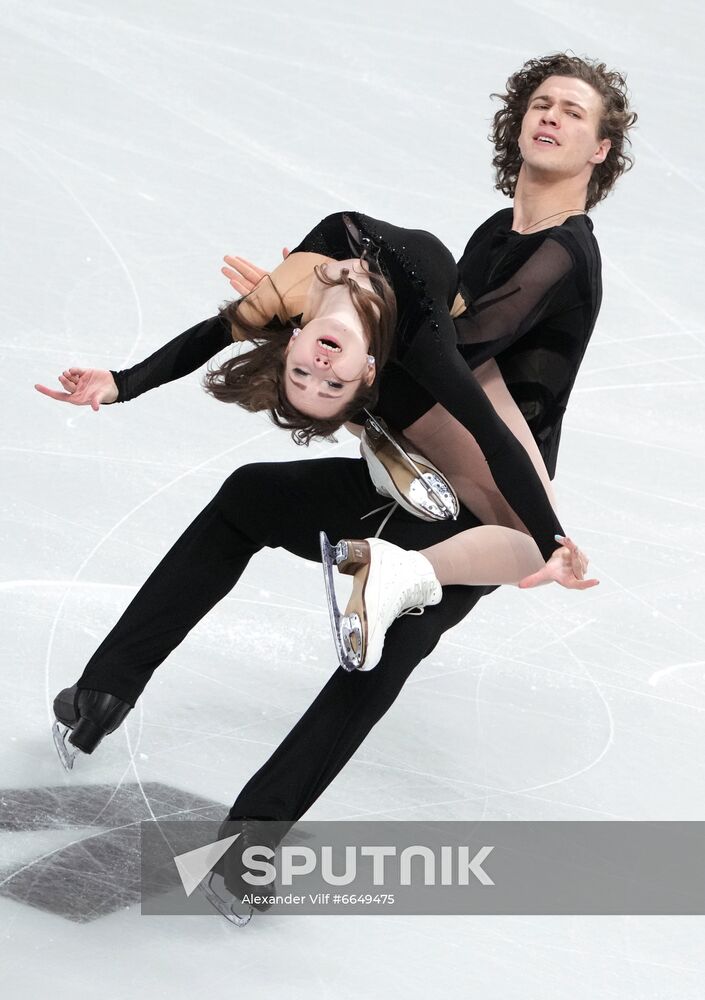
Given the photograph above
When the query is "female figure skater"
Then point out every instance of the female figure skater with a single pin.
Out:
(310, 322)
(389, 580)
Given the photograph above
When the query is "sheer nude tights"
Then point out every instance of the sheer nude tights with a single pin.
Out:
(500, 551)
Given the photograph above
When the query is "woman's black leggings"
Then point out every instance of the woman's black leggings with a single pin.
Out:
(271, 505)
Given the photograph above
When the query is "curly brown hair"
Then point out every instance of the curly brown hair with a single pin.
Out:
(617, 119)
(254, 379)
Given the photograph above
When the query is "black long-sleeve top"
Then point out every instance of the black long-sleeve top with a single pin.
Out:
(532, 303)
(428, 365)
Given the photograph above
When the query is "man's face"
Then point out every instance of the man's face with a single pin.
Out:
(560, 130)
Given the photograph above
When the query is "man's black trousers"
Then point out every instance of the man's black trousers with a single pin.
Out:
(281, 504)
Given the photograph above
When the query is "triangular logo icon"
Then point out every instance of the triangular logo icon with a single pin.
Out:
(195, 865)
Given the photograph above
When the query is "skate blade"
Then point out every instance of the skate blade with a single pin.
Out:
(432, 497)
(213, 888)
(67, 754)
(351, 639)
(330, 556)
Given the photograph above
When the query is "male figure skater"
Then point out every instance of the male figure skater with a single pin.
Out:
(531, 277)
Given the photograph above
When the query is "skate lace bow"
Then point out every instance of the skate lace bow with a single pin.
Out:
(410, 601)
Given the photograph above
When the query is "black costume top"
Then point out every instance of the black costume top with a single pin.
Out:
(520, 288)
(532, 302)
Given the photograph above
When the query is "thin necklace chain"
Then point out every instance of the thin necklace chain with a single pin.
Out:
(565, 211)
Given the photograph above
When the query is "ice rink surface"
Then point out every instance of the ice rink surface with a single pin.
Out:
(140, 142)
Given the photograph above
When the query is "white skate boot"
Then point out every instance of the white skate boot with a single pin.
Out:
(410, 479)
(388, 581)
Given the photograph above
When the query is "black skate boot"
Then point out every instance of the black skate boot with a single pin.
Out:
(225, 887)
(88, 716)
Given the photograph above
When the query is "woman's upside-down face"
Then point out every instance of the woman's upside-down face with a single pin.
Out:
(326, 363)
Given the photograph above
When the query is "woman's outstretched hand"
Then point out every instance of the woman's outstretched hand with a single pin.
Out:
(243, 275)
(567, 566)
(84, 387)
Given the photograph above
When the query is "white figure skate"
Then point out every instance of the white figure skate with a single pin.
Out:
(410, 479)
(388, 581)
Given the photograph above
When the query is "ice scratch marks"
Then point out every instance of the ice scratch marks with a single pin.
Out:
(658, 154)
(559, 638)
(609, 737)
(634, 691)
(647, 361)
(238, 138)
(659, 675)
(41, 164)
(148, 499)
(583, 390)
(671, 449)
(621, 488)
(696, 334)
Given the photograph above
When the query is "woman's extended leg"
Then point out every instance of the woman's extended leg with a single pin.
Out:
(450, 446)
(389, 581)
(500, 551)
(488, 554)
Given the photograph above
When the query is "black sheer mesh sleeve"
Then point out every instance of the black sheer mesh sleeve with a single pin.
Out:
(424, 276)
(181, 356)
(504, 313)
(433, 360)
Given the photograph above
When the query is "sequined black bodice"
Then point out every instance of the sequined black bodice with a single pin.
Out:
(420, 269)
(427, 365)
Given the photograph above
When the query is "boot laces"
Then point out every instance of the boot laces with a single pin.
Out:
(410, 600)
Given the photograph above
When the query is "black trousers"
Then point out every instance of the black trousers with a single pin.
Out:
(281, 504)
